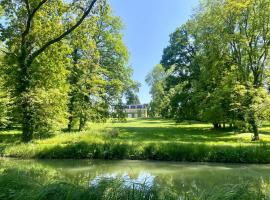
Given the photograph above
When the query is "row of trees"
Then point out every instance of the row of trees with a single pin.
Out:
(63, 63)
(216, 67)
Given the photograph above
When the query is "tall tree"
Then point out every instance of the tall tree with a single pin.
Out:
(5, 98)
(99, 73)
(132, 98)
(30, 32)
(156, 80)
(180, 58)
(241, 29)
(85, 74)
(220, 64)
(113, 59)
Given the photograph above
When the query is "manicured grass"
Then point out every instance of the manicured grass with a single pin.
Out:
(153, 130)
(153, 139)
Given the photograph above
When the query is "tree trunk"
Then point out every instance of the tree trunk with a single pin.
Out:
(25, 101)
(73, 80)
(255, 131)
(70, 122)
(215, 125)
(82, 123)
(27, 117)
(27, 120)
(27, 126)
(70, 110)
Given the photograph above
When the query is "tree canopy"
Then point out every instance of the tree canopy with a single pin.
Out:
(217, 66)
(63, 63)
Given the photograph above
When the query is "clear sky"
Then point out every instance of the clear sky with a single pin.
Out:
(148, 24)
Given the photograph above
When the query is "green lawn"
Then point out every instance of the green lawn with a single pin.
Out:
(154, 130)
(154, 139)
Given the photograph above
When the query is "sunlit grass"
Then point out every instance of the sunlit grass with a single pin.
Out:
(148, 130)
(155, 139)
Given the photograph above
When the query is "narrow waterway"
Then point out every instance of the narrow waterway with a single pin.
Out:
(184, 177)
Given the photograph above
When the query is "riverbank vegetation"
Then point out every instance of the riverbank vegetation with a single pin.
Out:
(39, 180)
(153, 139)
(14, 183)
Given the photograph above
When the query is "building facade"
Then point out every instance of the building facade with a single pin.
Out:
(136, 111)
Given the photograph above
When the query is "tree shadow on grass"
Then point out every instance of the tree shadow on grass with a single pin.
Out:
(9, 138)
(176, 134)
(10, 135)
(164, 122)
(152, 121)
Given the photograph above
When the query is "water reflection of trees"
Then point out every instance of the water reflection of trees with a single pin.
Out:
(108, 183)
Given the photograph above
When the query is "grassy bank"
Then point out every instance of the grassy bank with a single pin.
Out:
(144, 139)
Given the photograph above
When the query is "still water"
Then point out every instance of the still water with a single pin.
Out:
(184, 177)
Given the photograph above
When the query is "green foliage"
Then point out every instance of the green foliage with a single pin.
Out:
(5, 105)
(64, 63)
(219, 65)
(182, 67)
(155, 79)
(132, 99)
(99, 74)
(36, 73)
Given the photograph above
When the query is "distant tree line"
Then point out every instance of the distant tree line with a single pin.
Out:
(63, 63)
(216, 67)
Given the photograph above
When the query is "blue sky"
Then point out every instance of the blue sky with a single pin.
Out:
(148, 24)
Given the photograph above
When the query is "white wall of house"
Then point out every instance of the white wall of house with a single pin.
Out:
(135, 111)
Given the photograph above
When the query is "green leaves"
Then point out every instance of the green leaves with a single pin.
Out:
(99, 74)
(62, 64)
(219, 64)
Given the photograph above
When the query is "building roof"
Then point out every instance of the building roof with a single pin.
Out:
(136, 106)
